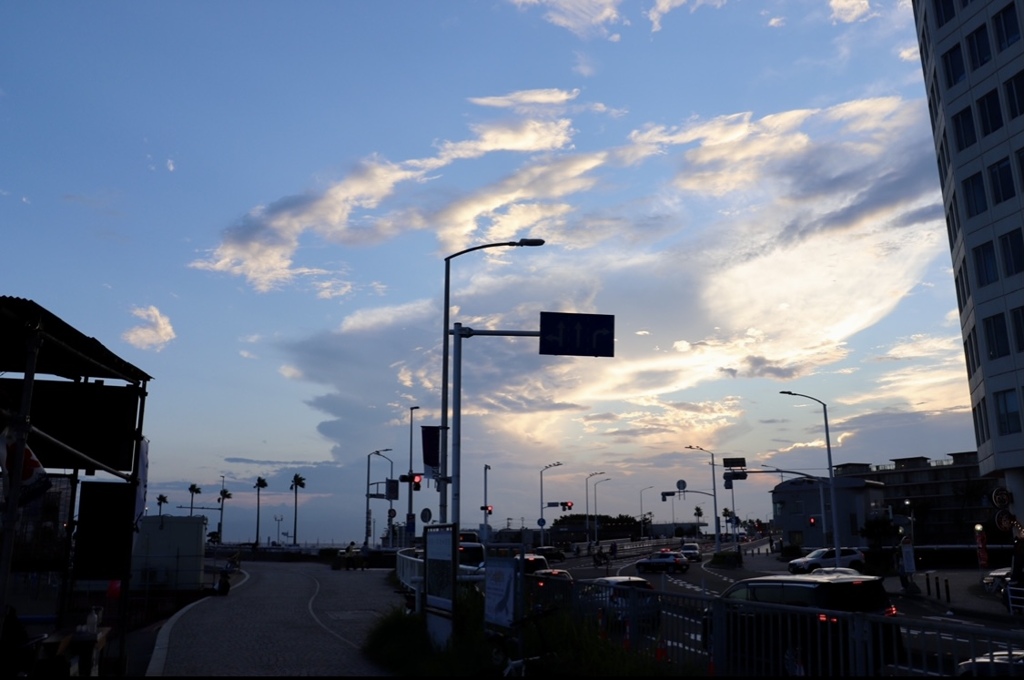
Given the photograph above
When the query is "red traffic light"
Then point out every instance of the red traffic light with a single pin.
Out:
(490, 509)
(416, 479)
(813, 521)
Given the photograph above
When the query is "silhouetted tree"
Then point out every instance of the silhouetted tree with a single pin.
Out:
(298, 482)
(260, 484)
(160, 500)
(193, 489)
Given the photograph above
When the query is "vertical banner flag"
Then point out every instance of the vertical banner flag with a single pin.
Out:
(431, 435)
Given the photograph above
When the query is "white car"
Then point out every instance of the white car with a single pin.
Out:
(691, 551)
(851, 558)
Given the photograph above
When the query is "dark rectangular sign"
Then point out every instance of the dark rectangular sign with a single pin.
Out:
(734, 462)
(580, 335)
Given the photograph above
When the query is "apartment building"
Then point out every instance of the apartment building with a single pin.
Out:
(972, 56)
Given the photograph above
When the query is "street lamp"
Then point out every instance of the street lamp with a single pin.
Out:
(443, 482)
(586, 495)
(546, 467)
(279, 519)
(831, 472)
(642, 510)
(596, 523)
(910, 507)
(378, 452)
(714, 496)
(410, 519)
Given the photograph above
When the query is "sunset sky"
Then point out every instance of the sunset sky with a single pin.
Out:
(252, 202)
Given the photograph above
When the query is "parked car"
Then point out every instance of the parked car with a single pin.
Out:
(533, 563)
(826, 557)
(691, 551)
(547, 588)
(552, 553)
(1001, 663)
(619, 599)
(664, 560)
(784, 642)
(995, 581)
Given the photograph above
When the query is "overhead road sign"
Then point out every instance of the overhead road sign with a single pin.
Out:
(580, 335)
(734, 462)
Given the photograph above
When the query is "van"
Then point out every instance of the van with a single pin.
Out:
(774, 641)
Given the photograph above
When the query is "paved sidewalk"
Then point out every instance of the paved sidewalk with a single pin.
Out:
(278, 619)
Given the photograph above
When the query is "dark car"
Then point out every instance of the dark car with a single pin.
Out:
(813, 640)
(620, 599)
(668, 561)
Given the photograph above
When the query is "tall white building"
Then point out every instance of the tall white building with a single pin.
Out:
(972, 54)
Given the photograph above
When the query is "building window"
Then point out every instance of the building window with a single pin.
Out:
(1007, 412)
(1000, 177)
(961, 296)
(978, 48)
(974, 195)
(1017, 323)
(980, 413)
(953, 66)
(1014, 91)
(1011, 245)
(963, 128)
(997, 341)
(990, 116)
(971, 350)
(985, 271)
(952, 227)
(1006, 26)
(944, 11)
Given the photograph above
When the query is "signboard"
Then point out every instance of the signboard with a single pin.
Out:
(1001, 498)
(734, 462)
(580, 335)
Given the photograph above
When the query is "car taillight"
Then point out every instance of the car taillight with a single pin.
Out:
(825, 618)
(891, 611)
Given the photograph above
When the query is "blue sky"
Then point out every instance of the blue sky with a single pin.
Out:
(252, 202)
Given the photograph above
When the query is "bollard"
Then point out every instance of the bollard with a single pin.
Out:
(947, 591)
(937, 594)
(928, 585)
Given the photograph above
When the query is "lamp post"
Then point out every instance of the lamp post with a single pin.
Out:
(410, 519)
(714, 496)
(606, 479)
(220, 523)
(642, 510)
(546, 467)
(586, 495)
(487, 525)
(279, 519)
(910, 507)
(443, 482)
(831, 472)
(369, 523)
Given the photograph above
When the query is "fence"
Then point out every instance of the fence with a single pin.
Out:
(771, 640)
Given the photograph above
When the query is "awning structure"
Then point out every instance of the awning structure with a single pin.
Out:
(89, 419)
(66, 352)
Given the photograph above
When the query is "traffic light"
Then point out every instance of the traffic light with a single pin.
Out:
(405, 479)
(416, 479)
(812, 521)
(490, 509)
(566, 505)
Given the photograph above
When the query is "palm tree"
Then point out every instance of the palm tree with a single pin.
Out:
(192, 489)
(298, 482)
(260, 484)
(698, 513)
(222, 499)
(160, 500)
